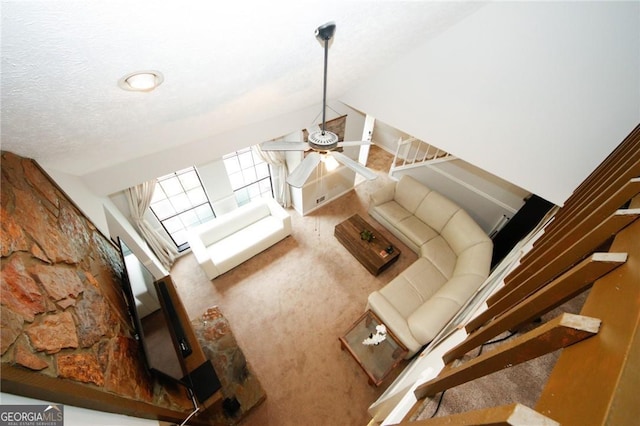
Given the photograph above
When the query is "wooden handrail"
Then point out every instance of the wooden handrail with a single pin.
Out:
(595, 382)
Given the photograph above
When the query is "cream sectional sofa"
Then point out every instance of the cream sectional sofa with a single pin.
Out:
(234, 237)
(454, 260)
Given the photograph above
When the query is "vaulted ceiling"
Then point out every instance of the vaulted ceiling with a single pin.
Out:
(225, 65)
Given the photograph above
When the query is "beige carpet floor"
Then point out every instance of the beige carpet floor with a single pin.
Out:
(287, 307)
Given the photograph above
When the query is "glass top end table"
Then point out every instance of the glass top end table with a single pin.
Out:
(376, 359)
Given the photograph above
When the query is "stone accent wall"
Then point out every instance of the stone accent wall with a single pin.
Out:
(63, 313)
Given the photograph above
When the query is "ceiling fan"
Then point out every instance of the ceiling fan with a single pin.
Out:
(320, 140)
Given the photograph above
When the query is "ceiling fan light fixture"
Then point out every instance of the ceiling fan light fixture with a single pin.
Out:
(330, 163)
(141, 81)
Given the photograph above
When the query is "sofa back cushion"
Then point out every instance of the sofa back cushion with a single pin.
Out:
(409, 193)
(440, 254)
(462, 232)
(231, 222)
(436, 210)
(475, 260)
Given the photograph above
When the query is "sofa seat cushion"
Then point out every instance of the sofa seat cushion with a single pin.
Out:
(226, 251)
(439, 310)
(431, 317)
(410, 290)
(390, 316)
(393, 212)
(416, 230)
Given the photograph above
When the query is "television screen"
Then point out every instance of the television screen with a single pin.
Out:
(151, 327)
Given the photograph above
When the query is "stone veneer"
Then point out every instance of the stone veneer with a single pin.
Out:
(63, 313)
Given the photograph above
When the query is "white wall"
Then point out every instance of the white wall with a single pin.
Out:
(322, 187)
(490, 201)
(354, 125)
(386, 137)
(127, 174)
(124, 175)
(537, 93)
(89, 203)
(119, 226)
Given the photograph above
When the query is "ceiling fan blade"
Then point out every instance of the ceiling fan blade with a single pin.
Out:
(301, 173)
(354, 143)
(284, 146)
(314, 128)
(354, 165)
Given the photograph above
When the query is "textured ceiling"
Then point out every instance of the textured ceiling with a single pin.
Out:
(226, 64)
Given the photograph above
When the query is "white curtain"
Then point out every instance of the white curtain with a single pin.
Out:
(278, 163)
(139, 198)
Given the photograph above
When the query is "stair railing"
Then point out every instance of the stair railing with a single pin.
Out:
(414, 152)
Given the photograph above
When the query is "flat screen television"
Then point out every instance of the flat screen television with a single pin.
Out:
(156, 330)
(151, 328)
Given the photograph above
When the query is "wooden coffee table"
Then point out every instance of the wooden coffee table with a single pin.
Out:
(375, 255)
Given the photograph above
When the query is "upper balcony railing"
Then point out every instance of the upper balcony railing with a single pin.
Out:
(414, 152)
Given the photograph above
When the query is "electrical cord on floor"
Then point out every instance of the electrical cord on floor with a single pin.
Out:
(439, 403)
(502, 339)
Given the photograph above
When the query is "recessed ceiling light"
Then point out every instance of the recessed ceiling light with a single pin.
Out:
(141, 81)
